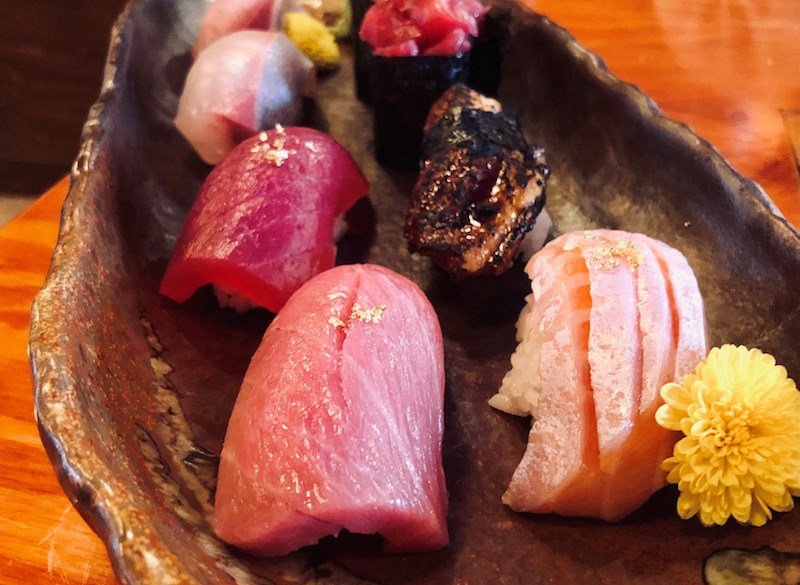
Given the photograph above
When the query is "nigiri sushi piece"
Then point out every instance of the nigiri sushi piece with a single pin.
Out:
(609, 315)
(263, 222)
(225, 17)
(243, 83)
(480, 189)
(339, 421)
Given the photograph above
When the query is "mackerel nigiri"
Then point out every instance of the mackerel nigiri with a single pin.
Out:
(263, 222)
(613, 316)
(224, 17)
(339, 421)
(243, 83)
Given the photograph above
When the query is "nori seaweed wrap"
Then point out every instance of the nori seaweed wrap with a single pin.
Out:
(489, 49)
(402, 91)
(477, 130)
(362, 52)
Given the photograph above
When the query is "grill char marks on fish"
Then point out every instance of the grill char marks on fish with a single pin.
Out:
(480, 188)
(459, 96)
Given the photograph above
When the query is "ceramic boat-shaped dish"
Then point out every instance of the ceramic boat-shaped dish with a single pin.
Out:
(133, 391)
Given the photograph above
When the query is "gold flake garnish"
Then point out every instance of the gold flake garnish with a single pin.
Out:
(278, 157)
(336, 322)
(357, 313)
(373, 315)
(606, 258)
(274, 153)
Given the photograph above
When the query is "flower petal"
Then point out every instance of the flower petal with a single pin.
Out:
(740, 454)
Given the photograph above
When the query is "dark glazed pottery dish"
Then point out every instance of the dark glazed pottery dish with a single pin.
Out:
(133, 391)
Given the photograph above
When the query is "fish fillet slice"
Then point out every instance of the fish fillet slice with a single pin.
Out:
(656, 298)
(243, 83)
(224, 17)
(657, 322)
(614, 344)
(692, 345)
(632, 471)
(271, 465)
(339, 421)
(262, 229)
(563, 437)
(395, 426)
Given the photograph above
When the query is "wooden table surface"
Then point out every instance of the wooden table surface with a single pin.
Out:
(730, 69)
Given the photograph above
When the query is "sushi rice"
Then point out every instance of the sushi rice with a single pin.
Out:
(519, 392)
(522, 384)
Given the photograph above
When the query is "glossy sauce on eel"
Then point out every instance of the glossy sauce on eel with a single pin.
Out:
(480, 189)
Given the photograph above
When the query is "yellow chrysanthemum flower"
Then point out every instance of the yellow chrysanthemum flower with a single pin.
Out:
(741, 453)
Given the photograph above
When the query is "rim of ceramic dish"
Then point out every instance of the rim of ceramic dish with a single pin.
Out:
(45, 360)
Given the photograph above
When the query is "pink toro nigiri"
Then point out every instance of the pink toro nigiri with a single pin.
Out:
(225, 17)
(263, 222)
(612, 317)
(339, 421)
(243, 83)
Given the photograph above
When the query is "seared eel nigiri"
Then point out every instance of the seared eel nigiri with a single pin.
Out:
(480, 188)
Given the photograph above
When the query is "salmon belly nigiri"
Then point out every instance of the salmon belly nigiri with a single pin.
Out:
(339, 421)
(612, 317)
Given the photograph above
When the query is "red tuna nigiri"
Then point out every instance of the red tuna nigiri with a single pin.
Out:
(339, 421)
(609, 315)
(263, 222)
(243, 83)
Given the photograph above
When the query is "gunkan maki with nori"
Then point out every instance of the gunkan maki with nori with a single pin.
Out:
(402, 91)
(362, 52)
(489, 49)
(420, 48)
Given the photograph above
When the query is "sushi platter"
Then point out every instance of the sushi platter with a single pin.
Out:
(134, 391)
